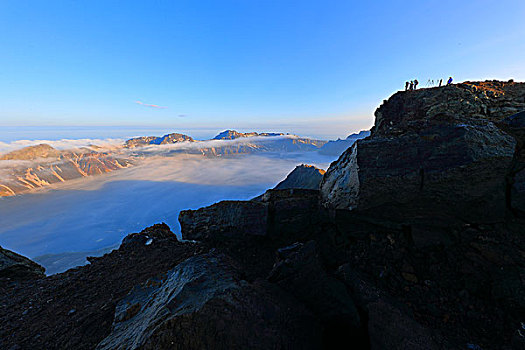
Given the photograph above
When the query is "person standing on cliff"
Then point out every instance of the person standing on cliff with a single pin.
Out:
(415, 84)
(406, 85)
(411, 85)
(449, 81)
(440, 82)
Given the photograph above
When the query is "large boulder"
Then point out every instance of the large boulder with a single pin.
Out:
(18, 267)
(225, 219)
(202, 304)
(273, 214)
(432, 151)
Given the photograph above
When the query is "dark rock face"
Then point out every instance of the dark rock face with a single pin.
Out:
(303, 176)
(432, 151)
(299, 271)
(389, 326)
(202, 304)
(277, 211)
(515, 126)
(154, 140)
(18, 267)
(226, 218)
(335, 148)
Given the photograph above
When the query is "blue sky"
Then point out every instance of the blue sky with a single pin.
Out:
(317, 68)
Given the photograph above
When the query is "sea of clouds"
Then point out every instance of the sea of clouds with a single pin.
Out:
(60, 226)
(62, 144)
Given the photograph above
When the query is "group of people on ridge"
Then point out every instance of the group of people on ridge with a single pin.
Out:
(412, 85)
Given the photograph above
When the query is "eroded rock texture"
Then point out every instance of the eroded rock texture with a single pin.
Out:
(202, 304)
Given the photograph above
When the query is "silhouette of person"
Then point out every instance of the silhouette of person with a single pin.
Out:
(411, 85)
(406, 85)
(415, 84)
(449, 81)
(440, 82)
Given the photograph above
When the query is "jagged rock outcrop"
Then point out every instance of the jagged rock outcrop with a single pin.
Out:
(155, 140)
(226, 218)
(303, 176)
(202, 304)
(18, 267)
(335, 148)
(274, 212)
(432, 151)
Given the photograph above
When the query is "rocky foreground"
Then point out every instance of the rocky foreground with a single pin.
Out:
(414, 240)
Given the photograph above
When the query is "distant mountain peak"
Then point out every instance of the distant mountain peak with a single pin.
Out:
(155, 140)
(42, 150)
(233, 134)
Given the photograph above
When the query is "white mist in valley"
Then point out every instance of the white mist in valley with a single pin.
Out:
(60, 226)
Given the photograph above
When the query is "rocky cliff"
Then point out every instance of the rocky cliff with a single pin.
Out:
(444, 150)
(437, 264)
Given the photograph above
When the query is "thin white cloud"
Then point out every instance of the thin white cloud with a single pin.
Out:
(150, 105)
(60, 144)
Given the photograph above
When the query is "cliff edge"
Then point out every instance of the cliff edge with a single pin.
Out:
(452, 151)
